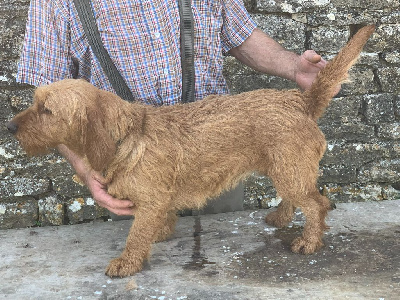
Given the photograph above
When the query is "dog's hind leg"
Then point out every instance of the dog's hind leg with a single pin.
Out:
(282, 216)
(296, 184)
(315, 208)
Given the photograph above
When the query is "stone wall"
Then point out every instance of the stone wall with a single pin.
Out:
(362, 124)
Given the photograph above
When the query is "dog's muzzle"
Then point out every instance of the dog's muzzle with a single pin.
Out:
(12, 127)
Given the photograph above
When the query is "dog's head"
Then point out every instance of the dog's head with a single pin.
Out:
(66, 112)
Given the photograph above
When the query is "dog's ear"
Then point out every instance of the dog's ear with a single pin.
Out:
(98, 144)
(41, 93)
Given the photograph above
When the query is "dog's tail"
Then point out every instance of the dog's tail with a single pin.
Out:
(335, 73)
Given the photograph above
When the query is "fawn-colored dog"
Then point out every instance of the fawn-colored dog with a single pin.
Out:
(166, 159)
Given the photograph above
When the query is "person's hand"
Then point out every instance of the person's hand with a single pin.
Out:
(308, 66)
(97, 185)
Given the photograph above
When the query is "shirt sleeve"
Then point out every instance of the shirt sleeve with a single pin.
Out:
(45, 57)
(237, 25)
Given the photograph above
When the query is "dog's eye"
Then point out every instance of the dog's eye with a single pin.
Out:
(43, 110)
(46, 111)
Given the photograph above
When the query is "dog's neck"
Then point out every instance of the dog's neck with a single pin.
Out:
(122, 118)
(110, 122)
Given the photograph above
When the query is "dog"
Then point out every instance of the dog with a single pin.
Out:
(171, 158)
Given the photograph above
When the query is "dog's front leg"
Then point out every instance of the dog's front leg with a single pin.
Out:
(144, 231)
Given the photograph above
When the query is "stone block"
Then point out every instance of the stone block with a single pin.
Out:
(242, 83)
(340, 16)
(249, 4)
(23, 186)
(10, 150)
(51, 211)
(354, 192)
(367, 59)
(12, 37)
(7, 6)
(389, 78)
(385, 38)
(351, 132)
(5, 111)
(18, 213)
(387, 170)
(361, 81)
(8, 72)
(54, 165)
(241, 78)
(354, 154)
(389, 131)
(286, 31)
(22, 98)
(391, 192)
(397, 106)
(329, 39)
(390, 16)
(259, 193)
(378, 108)
(342, 110)
(83, 210)
(18, 164)
(370, 4)
(337, 174)
(289, 6)
(391, 57)
(69, 186)
(395, 150)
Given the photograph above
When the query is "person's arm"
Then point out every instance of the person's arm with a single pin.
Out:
(262, 53)
(96, 184)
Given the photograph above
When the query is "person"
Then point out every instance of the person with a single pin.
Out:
(142, 37)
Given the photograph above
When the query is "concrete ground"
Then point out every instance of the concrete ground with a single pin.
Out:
(222, 256)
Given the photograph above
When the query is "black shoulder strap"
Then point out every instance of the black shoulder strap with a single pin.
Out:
(86, 17)
(187, 50)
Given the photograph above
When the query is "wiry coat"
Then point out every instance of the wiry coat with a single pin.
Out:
(170, 158)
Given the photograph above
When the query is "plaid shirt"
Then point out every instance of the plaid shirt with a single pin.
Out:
(143, 39)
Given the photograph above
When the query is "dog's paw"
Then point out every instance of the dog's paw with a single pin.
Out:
(306, 246)
(120, 267)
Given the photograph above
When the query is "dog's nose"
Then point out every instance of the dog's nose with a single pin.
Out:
(12, 127)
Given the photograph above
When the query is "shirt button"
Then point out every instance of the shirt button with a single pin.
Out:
(166, 71)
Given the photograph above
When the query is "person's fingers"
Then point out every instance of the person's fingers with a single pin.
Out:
(108, 201)
(119, 207)
(121, 212)
(120, 204)
(98, 187)
(312, 56)
(96, 176)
